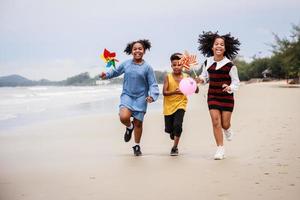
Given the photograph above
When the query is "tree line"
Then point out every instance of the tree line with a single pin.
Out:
(284, 62)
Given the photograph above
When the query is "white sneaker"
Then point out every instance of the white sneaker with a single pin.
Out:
(228, 134)
(220, 153)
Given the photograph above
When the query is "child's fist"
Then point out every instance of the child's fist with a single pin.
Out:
(199, 80)
(177, 91)
(102, 75)
(149, 99)
(226, 88)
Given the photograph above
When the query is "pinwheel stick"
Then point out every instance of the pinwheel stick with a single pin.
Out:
(196, 76)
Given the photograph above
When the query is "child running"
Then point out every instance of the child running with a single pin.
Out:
(139, 88)
(222, 76)
(175, 102)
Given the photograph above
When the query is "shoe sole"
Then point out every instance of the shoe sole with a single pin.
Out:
(219, 158)
(174, 154)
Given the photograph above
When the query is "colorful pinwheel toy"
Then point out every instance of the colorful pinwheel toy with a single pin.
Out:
(188, 61)
(109, 58)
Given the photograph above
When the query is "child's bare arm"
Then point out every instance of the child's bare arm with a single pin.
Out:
(166, 91)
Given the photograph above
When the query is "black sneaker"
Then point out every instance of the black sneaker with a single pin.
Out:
(137, 150)
(172, 136)
(174, 151)
(128, 133)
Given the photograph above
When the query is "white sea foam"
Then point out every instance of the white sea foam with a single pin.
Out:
(7, 116)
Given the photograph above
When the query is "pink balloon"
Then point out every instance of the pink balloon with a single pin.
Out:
(188, 86)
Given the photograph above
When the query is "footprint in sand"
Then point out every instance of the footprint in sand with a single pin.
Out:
(276, 188)
(281, 165)
(283, 173)
(223, 195)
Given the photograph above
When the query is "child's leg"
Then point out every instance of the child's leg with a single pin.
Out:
(169, 121)
(177, 125)
(217, 126)
(138, 129)
(125, 115)
(226, 118)
(176, 141)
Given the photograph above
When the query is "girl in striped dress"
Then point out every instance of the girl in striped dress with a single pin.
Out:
(222, 76)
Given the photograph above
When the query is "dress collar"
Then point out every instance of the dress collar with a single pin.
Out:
(220, 63)
(138, 63)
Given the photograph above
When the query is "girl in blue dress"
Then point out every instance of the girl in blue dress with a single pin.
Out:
(139, 88)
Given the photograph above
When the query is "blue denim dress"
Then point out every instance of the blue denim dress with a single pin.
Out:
(139, 82)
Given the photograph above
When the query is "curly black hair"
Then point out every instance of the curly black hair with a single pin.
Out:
(206, 41)
(145, 43)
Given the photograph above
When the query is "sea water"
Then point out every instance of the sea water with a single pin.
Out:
(21, 106)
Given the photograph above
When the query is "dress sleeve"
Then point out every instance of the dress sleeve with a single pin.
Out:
(115, 72)
(153, 86)
(235, 81)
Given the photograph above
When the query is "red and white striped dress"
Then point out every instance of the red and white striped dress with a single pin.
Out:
(217, 98)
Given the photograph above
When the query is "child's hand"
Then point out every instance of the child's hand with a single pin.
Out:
(102, 75)
(199, 80)
(226, 88)
(149, 99)
(177, 91)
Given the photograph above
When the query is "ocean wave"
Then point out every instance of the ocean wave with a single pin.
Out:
(37, 88)
(7, 116)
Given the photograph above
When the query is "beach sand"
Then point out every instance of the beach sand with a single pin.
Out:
(85, 158)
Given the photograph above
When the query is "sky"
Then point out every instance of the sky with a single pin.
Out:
(56, 39)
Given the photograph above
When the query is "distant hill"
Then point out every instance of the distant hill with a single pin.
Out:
(15, 80)
(82, 79)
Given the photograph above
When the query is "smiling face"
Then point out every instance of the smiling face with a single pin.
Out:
(219, 47)
(177, 68)
(138, 51)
